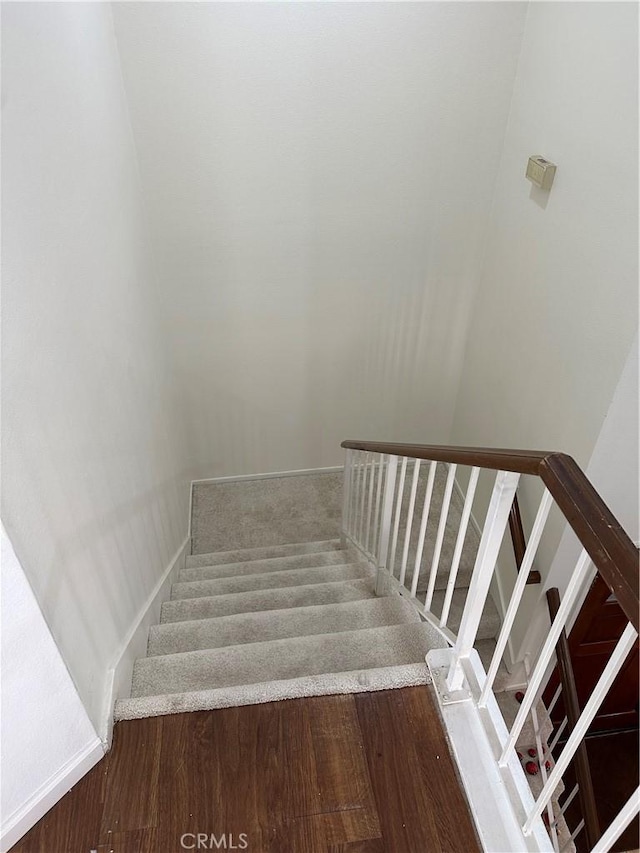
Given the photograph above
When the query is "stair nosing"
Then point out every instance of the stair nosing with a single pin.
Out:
(237, 646)
(367, 573)
(407, 675)
(158, 629)
(329, 542)
(249, 592)
(243, 563)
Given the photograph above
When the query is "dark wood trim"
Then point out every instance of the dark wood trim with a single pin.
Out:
(520, 461)
(572, 707)
(607, 543)
(518, 540)
(612, 551)
(517, 533)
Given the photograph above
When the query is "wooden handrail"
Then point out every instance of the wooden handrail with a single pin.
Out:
(520, 461)
(613, 553)
(572, 707)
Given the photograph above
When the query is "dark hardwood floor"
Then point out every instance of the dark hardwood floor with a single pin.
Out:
(334, 774)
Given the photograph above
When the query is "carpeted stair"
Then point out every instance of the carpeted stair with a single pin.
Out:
(277, 622)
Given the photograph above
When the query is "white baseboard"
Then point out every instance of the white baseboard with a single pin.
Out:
(135, 643)
(336, 469)
(22, 820)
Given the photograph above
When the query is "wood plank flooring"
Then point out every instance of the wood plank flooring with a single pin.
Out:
(369, 773)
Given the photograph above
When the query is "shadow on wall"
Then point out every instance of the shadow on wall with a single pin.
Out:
(100, 572)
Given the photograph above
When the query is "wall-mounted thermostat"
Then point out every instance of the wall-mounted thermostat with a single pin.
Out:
(541, 172)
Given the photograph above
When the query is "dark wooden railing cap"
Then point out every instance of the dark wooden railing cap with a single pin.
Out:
(613, 553)
(520, 461)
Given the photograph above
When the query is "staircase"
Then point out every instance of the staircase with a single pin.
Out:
(261, 624)
(409, 579)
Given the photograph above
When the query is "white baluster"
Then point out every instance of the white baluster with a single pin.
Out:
(518, 590)
(613, 667)
(547, 652)
(457, 551)
(376, 515)
(396, 523)
(385, 522)
(352, 491)
(345, 498)
(576, 832)
(412, 506)
(555, 698)
(363, 498)
(370, 502)
(622, 821)
(543, 773)
(444, 512)
(502, 496)
(558, 734)
(426, 507)
(356, 496)
(568, 802)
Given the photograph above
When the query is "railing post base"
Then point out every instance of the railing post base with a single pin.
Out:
(446, 696)
(472, 737)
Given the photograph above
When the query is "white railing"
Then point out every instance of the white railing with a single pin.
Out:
(393, 504)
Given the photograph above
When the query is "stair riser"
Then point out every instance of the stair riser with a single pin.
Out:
(277, 564)
(463, 578)
(248, 583)
(247, 555)
(278, 624)
(272, 599)
(283, 659)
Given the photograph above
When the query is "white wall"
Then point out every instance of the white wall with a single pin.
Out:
(557, 306)
(38, 700)
(614, 471)
(94, 479)
(318, 177)
(556, 311)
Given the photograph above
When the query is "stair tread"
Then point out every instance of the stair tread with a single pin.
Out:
(332, 592)
(284, 659)
(270, 580)
(357, 681)
(240, 555)
(174, 637)
(271, 564)
(310, 560)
